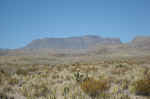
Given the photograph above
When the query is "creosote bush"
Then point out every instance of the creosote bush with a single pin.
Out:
(22, 72)
(13, 81)
(142, 86)
(94, 87)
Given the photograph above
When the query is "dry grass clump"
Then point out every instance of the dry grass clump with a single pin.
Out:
(1, 75)
(35, 90)
(13, 81)
(4, 96)
(4, 72)
(94, 87)
(7, 89)
(141, 86)
(120, 69)
(32, 69)
(41, 90)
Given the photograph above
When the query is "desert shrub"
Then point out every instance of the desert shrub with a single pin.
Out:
(13, 81)
(35, 91)
(1, 75)
(141, 84)
(41, 90)
(120, 96)
(7, 89)
(68, 78)
(119, 65)
(113, 96)
(32, 69)
(22, 72)
(119, 71)
(4, 96)
(55, 76)
(124, 84)
(94, 87)
(25, 91)
(4, 72)
(141, 87)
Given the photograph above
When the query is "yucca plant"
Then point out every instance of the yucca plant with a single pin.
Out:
(66, 91)
(78, 76)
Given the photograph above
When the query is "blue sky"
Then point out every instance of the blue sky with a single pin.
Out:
(22, 21)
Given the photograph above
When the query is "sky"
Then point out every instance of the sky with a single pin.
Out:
(22, 21)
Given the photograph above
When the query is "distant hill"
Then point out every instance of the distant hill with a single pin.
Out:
(80, 46)
(3, 51)
(83, 42)
(141, 42)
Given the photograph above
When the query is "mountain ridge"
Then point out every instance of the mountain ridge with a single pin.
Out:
(81, 42)
(84, 45)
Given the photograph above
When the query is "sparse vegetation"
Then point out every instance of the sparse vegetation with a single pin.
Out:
(102, 80)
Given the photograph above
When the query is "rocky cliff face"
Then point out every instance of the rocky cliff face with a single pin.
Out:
(71, 43)
(93, 45)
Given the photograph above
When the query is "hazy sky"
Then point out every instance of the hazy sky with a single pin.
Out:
(21, 21)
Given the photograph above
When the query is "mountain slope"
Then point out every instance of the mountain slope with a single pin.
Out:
(80, 46)
(71, 43)
(141, 42)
